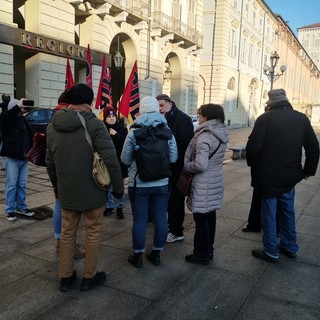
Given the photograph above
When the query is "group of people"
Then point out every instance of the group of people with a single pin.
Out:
(78, 193)
(274, 153)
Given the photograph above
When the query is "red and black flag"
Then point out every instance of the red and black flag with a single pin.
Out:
(69, 78)
(130, 102)
(104, 95)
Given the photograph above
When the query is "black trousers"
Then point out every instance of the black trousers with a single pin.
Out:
(176, 210)
(205, 233)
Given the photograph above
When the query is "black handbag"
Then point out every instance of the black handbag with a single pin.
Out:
(184, 182)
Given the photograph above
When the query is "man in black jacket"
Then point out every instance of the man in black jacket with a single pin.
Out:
(17, 141)
(274, 152)
(182, 128)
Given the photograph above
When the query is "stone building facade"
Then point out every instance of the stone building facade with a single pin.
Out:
(37, 36)
(239, 38)
(309, 37)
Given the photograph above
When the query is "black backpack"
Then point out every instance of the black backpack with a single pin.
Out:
(151, 152)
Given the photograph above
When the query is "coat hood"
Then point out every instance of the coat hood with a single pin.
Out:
(149, 119)
(215, 127)
(67, 120)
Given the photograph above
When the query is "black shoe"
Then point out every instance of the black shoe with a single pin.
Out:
(108, 211)
(289, 254)
(65, 283)
(211, 256)
(98, 279)
(135, 260)
(120, 214)
(260, 254)
(192, 258)
(250, 229)
(154, 257)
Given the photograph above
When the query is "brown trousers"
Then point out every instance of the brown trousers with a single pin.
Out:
(93, 223)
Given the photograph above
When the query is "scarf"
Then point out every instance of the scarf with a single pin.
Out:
(80, 107)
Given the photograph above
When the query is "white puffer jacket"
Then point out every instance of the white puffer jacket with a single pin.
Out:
(207, 185)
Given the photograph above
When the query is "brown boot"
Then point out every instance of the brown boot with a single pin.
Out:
(79, 253)
(58, 245)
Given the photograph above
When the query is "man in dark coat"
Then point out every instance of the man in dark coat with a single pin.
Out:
(274, 152)
(182, 128)
(16, 142)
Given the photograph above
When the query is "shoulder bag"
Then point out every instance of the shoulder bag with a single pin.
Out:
(37, 153)
(185, 178)
(100, 172)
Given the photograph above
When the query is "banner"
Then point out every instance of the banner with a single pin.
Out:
(130, 102)
(69, 78)
(104, 95)
(88, 68)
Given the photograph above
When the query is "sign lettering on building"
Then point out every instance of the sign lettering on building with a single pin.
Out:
(39, 43)
(54, 46)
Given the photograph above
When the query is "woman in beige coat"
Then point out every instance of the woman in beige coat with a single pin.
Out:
(204, 158)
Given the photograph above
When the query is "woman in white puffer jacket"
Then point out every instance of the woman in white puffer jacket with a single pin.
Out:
(204, 158)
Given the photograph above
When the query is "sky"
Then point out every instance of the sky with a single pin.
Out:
(299, 13)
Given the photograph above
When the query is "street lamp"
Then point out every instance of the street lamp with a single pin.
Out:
(270, 71)
(118, 58)
(167, 74)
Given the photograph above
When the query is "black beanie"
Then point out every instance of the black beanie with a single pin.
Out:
(79, 94)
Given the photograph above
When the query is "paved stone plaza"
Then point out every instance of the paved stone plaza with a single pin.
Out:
(234, 286)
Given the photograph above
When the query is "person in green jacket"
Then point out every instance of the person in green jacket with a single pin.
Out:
(69, 160)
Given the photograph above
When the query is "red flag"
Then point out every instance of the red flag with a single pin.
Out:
(130, 102)
(88, 68)
(104, 96)
(69, 78)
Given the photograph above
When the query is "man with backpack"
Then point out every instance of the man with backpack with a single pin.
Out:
(148, 150)
(182, 129)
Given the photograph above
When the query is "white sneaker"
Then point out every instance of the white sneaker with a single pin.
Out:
(11, 216)
(173, 238)
(25, 212)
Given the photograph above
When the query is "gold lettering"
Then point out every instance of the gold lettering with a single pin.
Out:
(39, 42)
(80, 52)
(70, 50)
(51, 45)
(60, 47)
(26, 39)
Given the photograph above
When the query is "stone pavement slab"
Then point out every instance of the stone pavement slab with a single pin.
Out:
(233, 286)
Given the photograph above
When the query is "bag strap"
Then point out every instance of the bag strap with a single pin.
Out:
(215, 150)
(83, 122)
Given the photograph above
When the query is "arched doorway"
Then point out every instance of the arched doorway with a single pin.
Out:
(119, 76)
(173, 87)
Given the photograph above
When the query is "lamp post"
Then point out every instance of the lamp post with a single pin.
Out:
(270, 71)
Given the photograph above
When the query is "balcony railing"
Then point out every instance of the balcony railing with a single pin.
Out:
(138, 8)
(182, 30)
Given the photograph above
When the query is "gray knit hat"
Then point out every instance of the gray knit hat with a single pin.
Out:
(275, 96)
(148, 104)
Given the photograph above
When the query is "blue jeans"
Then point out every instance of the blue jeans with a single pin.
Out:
(114, 202)
(16, 182)
(155, 198)
(285, 205)
(57, 221)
